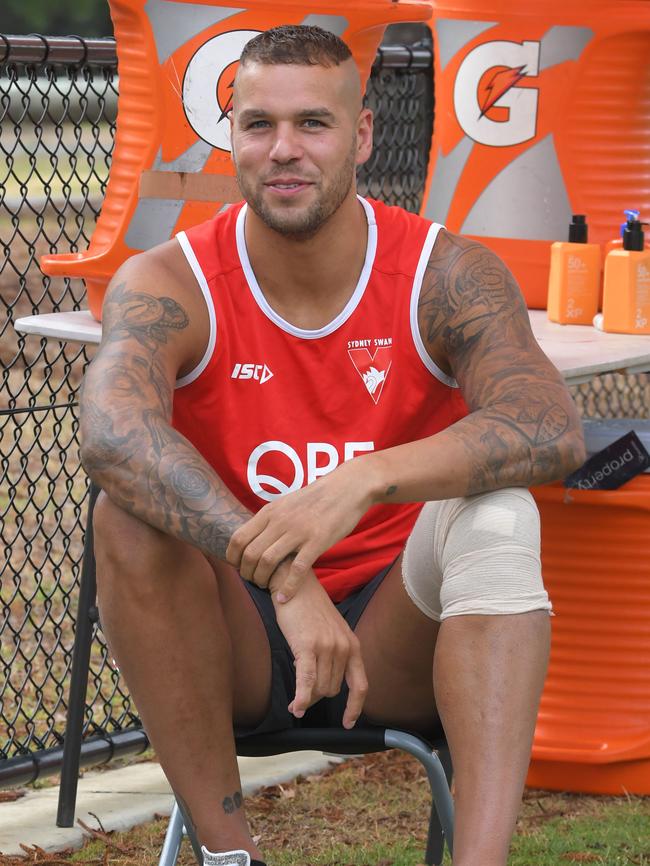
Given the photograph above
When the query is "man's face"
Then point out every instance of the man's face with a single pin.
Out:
(298, 133)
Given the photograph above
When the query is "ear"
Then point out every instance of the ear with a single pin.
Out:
(364, 136)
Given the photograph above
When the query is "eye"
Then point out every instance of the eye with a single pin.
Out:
(257, 124)
(313, 123)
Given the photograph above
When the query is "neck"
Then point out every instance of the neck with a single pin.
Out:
(308, 282)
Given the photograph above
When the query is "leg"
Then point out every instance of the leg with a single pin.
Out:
(187, 639)
(488, 670)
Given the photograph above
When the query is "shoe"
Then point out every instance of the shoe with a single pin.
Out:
(225, 858)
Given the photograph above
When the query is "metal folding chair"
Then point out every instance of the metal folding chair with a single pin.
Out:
(434, 757)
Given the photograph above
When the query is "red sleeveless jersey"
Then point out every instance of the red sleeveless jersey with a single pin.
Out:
(273, 407)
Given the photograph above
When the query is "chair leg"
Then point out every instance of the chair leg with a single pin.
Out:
(173, 838)
(83, 638)
(436, 836)
(441, 823)
(189, 830)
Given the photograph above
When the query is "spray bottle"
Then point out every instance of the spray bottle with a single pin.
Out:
(574, 278)
(626, 295)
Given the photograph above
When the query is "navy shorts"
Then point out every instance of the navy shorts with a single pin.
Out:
(328, 712)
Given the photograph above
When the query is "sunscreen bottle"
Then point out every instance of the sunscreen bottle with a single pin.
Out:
(617, 243)
(574, 278)
(626, 296)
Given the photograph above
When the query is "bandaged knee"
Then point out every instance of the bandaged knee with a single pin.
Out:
(476, 555)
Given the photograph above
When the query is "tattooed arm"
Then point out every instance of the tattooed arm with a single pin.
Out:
(154, 330)
(523, 428)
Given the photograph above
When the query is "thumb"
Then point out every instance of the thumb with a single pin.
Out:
(293, 581)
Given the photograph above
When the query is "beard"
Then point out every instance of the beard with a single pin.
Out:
(302, 224)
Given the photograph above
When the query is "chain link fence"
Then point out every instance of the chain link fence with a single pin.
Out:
(58, 101)
(57, 122)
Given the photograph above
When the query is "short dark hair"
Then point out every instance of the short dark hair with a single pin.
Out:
(302, 44)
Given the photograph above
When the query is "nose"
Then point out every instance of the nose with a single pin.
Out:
(286, 146)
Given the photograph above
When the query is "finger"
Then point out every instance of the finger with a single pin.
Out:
(305, 683)
(242, 537)
(324, 674)
(339, 663)
(254, 555)
(300, 568)
(274, 554)
(355, 676)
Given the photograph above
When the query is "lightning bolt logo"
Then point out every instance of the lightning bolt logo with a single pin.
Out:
(501, 82)
(228, 105)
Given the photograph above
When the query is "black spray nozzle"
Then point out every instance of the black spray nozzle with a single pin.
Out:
(578, 229)
(633, 236)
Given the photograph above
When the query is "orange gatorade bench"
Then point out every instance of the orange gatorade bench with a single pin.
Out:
(542, 110)
(171, 165)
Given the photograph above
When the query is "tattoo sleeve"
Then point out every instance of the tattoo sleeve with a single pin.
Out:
(128, 444)
(523, 428)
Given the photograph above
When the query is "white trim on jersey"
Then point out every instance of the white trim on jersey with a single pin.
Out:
(192, 261)
(431, 366)
(349, 308)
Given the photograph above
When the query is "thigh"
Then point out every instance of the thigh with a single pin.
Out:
(397, 644)
(155, 587)
(252, 657)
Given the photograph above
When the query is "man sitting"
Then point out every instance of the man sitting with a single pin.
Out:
(277, 393)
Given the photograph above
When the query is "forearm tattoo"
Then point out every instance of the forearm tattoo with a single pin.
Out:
(130, 447)
(523, 428)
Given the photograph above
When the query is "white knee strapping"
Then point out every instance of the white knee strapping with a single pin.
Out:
(476, 555)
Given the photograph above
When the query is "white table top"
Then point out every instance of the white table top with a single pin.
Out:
(580, 352)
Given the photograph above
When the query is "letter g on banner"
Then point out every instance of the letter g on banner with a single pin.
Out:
(475, 93)
(207, 85)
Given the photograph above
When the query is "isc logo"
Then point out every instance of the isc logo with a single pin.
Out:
(259, 372)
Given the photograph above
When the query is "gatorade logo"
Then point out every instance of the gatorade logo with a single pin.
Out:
(320, 458)
(490, 107)
(207, 86)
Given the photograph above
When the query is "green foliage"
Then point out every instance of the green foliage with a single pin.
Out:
(81, 17)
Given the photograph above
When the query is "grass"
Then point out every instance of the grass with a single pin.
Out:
(374, 810)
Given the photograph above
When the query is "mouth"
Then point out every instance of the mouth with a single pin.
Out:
(288, 186)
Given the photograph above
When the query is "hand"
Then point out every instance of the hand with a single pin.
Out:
(325, 650)
(301, 525)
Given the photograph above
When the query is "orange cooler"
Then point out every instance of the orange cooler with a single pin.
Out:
(593, 729)
(541, 110)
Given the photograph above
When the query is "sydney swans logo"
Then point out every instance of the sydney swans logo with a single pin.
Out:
(373, 368)
(207, 86)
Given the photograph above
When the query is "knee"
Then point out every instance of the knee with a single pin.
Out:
(491, 556)
(476, 555)
(126, 547)
(495, 518)
(421, 566)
